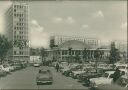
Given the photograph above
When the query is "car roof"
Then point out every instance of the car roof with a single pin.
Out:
(110, 72)
(125, 76)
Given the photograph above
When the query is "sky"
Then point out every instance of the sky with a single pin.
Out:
(105, 20)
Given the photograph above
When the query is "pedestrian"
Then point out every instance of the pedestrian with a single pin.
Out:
(116, 75)
(57, 67)
(87, 81)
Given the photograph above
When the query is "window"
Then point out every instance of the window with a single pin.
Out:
(14, 10)
(14, 52)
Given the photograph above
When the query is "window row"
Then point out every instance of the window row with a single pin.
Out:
(19, 28)
(20, 53)
(20, 37)
(20, 32)
(19, 15)
(21, 24)
(19, 6)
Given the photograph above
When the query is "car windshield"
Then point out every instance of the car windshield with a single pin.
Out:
(105, 75)
(43, 71)
(121, 67)
(5, 66)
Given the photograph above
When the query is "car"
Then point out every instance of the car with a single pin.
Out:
(63, 65)
(92, 73)
(17, 66)
(122, 67)
(2, 73)
(120, 84)
(104, 80)
(44, 77)
(11, 67)
(5, 68)
(76, 73)
(71, 67)
(36, 65)
(75, 70)
(123, 81)
(108, 87)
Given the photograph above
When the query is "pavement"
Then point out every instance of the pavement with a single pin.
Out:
(26, 79)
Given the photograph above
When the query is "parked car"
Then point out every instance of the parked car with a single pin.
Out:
(36, 64)
(105, 79)
(2, 73)
(108, 87)
(44, 77)
(17, 66)
(122, 67)
(71, 67)
(92, 73)
(5, 68)
(76, 73)
(123, 81)
(63, 65)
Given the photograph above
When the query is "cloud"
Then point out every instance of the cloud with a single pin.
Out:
(70, 20)
(3, 8)
(57, 19)
(85, 26)
(38, 37)
(98, 14)
(124, 25)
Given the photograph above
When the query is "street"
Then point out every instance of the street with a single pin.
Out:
(26, 79)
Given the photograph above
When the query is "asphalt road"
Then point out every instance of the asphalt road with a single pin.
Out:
(26, 79)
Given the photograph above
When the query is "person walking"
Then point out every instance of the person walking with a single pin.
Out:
(57, 66)
(116, 75)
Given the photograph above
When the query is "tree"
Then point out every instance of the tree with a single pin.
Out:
(5, 45)
(85, 54)
(97, 57)
(43, 53)
(77, 58)
(114, 54)
(70, 54)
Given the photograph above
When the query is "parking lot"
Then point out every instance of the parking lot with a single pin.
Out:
(26, 79)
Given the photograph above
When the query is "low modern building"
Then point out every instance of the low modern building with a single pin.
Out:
(73, 49)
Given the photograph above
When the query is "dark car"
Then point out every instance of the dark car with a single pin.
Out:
(17, 66)
(2, 73)
(44, 77)
(84, 77)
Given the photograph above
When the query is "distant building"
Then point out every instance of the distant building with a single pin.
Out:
(17, 30)
(72, 48)
(121, 45)
(60, 39)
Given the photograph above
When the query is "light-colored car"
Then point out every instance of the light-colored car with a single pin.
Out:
(122, 67)
(5, 68)
(76, 73)
(104, 80)
(36, 64)
(44, 76)
(11, 67)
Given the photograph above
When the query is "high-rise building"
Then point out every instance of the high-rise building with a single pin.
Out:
(17, 30)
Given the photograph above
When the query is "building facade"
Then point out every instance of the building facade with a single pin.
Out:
(57, 40)
(72, 49)
(17, 30)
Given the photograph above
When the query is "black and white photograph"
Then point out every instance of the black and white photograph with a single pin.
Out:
(63, 45)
